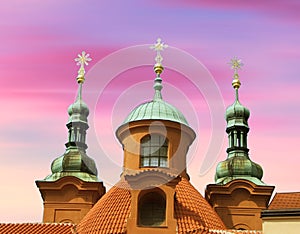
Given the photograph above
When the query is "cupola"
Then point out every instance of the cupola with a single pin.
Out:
(156, 134)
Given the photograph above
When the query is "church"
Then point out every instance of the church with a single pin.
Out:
(154, 193)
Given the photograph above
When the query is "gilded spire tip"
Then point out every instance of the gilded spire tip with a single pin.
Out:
(236, 64)
(82, 60)
(158, 47)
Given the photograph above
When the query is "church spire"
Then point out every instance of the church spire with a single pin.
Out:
(238, 164)
(75, 161)
(78, 111)
(237, 117)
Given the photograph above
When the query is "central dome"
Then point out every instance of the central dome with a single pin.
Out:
(156, 110)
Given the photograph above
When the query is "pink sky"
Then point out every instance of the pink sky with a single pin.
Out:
(40, 39)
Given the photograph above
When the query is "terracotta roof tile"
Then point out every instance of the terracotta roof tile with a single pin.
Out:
(235, 232)
(285, 201)
(109, 215)
(193, 212)
(36, 228)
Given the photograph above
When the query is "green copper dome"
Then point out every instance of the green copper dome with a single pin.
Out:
(78, 111)
(237, 115)
(157, 109)
(238, 165)
(75, 162)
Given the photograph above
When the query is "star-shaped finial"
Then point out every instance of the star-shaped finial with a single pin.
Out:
(82, 60)
(236, 64)
(158, 47)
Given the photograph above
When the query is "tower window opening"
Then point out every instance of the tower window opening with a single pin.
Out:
(238, 140)
(152, 209)
(154, 151)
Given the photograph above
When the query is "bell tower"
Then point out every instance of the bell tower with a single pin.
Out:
(239, 194)
(73, 187)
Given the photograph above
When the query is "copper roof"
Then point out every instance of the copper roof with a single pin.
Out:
(285, 201)
(39, 228)
(110, 214)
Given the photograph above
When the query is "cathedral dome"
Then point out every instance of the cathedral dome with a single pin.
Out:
(156, 110)
(192, 212)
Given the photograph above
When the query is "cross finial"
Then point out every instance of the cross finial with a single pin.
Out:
(236, 64)
(158, 47)
(82, 60)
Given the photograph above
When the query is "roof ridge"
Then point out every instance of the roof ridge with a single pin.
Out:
(39, 223)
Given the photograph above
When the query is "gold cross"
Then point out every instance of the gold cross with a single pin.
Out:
(158, 47)
(236, 64)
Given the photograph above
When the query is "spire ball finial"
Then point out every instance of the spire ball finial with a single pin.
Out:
(82, 60)
(236, 64)
(158, 47)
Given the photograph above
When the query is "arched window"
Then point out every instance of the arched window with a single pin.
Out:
(154, 151)
(152, 209)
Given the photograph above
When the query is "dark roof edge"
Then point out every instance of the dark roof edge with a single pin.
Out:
(280, 212)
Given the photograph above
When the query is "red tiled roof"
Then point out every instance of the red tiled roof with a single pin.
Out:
(192, 211)
(38, 228)
(285, 201)
(110, 214)
(235, 232)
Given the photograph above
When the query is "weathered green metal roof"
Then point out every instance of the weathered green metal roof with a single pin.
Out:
(78, 111)
(156, 110)
(238, 167)
(74, 162)
(237, 115)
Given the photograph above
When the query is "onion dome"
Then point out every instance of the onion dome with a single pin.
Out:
(78, 111)
(238, 165)
(75, 161)
(237, 114)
